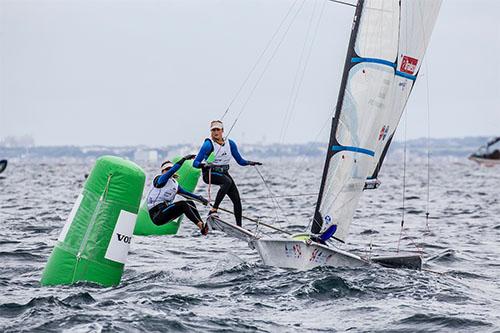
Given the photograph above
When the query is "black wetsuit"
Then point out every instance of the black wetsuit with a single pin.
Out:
(220, 175)
(163, 213)
(227, 186)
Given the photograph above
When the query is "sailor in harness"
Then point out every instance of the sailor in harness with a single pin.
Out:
(217, 172)
(160, 201)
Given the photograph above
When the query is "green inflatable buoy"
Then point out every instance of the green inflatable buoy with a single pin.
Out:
(188, 179)
(94, 243)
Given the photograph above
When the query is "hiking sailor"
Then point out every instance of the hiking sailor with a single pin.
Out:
(161, 205)
(217, 172)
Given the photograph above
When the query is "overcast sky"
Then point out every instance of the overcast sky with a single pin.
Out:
(156, 72)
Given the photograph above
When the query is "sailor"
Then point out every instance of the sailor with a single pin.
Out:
(161, 205)
(217, 172)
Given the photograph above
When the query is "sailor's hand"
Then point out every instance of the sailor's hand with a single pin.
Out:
(189, 157)
(254, 163)
(204, 201)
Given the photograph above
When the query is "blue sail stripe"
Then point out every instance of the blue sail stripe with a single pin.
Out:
(406, 75)
(375, 61)
(354, 149)
(385, 63)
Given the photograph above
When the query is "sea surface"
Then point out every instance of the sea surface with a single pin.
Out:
(191, 283)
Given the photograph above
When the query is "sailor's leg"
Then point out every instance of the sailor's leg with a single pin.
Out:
(234, 195)
(191, 212)
(175, 210)
(225, 182)
(168, 213)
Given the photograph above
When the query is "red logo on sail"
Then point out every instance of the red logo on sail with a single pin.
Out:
(408, 65)
(383, 133)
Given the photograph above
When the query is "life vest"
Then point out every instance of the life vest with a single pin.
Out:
(222, 153)
(165, 194)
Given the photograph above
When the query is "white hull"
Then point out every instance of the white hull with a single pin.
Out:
(299, 255)
(230, 229)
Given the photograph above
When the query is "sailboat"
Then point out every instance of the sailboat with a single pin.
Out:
(486, 155)
(386, 48)
(3, 165)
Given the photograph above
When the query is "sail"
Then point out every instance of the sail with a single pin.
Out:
(417, 19)
(388, 41)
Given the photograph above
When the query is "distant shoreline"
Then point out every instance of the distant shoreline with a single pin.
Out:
(457, 147)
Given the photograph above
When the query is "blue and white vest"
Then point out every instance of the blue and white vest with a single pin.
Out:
(165, 194)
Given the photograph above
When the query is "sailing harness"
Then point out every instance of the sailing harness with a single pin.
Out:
(222, 169)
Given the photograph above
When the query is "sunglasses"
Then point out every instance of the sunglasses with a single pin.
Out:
(215, 129)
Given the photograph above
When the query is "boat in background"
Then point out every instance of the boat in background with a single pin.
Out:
(489, 154)
(3, 165)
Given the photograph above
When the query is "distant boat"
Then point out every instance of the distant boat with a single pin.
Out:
(3, 165)
(488, 155)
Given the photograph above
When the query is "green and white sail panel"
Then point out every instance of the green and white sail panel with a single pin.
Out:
(388, 41)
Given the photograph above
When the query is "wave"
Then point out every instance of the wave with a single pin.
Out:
(329, 287)
(442, 321)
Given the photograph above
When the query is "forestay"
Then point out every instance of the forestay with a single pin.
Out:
(388, 42)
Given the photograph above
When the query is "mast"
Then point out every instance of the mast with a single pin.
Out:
(493, 141)
(318, 219)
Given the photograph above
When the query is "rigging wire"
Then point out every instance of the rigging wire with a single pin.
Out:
(428, 131)
(404, 153)
(419, 249)
(243, 107)
(404, 181)
(427, 209)
(267, 65)
(275, 202)
(264, 51)
(256, 221)
(264, 70)
(252, 92)
(283, 196)
(305, 55)
(428, 150)
(343, 3)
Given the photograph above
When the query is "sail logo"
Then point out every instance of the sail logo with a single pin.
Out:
(408, 65)
(383, 132)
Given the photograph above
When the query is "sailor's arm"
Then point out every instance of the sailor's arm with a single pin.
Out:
(202, 154)
(237, 156)
(163, 179)
(188, 194)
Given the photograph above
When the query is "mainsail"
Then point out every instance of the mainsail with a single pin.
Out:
(387, 44)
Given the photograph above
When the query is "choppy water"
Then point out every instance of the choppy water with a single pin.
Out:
(192, 283)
